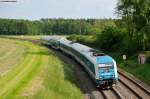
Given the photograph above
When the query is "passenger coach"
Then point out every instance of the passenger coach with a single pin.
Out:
(101, 67)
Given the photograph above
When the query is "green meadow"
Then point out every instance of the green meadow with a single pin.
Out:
(29, 71)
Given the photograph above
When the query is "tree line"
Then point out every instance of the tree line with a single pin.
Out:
(54, 26)
(136, 16)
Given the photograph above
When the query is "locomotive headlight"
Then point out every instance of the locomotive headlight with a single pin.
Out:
(100, 78)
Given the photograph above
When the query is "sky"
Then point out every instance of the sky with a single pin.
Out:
(37, 9)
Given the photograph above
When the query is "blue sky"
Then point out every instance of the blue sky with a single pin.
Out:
(37, 9)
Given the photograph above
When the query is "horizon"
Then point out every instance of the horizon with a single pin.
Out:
(61, 18)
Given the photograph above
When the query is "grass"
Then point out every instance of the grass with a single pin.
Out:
(10, 55)
(37, 73)
(131, 65)
(23, 36)
(140, 71)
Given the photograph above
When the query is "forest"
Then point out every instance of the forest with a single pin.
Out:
(54, 26)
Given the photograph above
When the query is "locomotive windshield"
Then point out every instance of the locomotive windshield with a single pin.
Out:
(106, 65)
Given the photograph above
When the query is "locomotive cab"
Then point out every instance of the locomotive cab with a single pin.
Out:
(106, 70)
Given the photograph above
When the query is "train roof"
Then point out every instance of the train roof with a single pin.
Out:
(92, 54)
(51, 38)
(89, 52)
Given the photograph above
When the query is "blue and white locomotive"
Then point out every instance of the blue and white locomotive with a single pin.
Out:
(101, 67)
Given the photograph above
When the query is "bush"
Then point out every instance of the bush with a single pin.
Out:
(148, 56)
(129, 46)
(76, 38)
(148, 59)
(110, 39)
(130, 63)
(84, 39)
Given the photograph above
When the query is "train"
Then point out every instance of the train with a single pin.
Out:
(101, 68)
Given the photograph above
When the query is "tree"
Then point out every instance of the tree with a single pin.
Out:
(136, 15)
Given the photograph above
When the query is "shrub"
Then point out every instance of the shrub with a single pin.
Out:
(110, 39)
(148, 59)
(84, 39)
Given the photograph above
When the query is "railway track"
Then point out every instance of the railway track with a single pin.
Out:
(133, 87)
(137, 82)
(126, 88)
(111, 94)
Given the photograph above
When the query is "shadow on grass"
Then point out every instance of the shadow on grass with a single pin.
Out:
(67, 66)
(39, 53)
(76, 74)
(69, 72)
